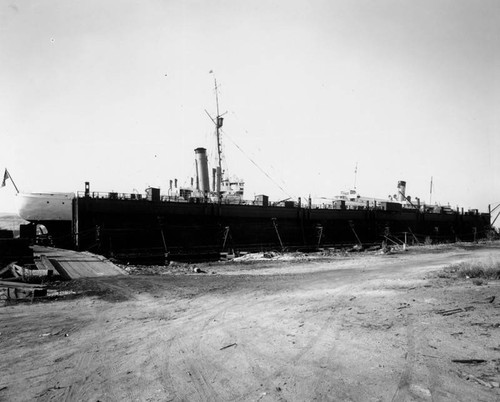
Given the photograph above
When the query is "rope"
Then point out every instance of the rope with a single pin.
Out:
(256, 165)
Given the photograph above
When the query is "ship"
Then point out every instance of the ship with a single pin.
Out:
(211, 217)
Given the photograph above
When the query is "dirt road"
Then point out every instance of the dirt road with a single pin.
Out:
(354, 328)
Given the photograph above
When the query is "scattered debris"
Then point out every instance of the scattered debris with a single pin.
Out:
(486, 324)
(197, 270)
(21, 290)
(270, 254)
(470, 377)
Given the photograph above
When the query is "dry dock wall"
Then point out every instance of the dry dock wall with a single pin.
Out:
(117, 225)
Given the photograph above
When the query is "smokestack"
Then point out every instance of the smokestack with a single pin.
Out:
(202, 163)
(401, 190)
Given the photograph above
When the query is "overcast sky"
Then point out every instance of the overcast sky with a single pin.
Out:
(114, 92)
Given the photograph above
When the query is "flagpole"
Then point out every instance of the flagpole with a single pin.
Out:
(7, 174)
(14, 184)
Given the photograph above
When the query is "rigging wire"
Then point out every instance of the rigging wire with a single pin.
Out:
(255, 164)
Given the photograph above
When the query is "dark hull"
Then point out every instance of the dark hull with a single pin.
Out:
(122, 227)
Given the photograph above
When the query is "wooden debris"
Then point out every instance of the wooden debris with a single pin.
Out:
(27, 274)
(471, 377)
(44, 264)
(6, 268)
(486, 324)
(455, 311)
(21, 290)
(13, 284)
(228, 346)
(469, 361)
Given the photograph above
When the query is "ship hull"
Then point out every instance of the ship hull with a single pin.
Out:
(141, 227)
(45, 206)
(52, 210)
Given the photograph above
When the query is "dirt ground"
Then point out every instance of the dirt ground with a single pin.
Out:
(357, 327)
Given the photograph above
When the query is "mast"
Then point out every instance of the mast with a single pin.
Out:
(218, 121)
(218, 124)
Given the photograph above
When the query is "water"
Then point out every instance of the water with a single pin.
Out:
(10, 221)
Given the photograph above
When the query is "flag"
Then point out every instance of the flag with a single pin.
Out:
(6, 176)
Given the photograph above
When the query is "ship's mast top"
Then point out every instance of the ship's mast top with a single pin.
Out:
(218, 121)
(218, 125)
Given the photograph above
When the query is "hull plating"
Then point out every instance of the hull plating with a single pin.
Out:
(116, 226)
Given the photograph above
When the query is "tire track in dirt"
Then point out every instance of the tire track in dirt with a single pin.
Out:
(274, 371)
(188, 369)
(93, 375)
(78, 390)
(414, 384)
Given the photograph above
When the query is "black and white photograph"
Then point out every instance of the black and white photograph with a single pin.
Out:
(250, 200)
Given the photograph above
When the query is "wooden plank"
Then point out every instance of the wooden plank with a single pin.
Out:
(44, 263)
(60, 269)
(5, 284)
(71, 264)
(5, 269)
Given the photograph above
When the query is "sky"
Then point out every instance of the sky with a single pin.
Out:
(117, 93)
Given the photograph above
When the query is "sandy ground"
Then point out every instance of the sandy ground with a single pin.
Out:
(343, 328)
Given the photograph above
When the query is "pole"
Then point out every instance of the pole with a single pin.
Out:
(415, 237)
(278, 233)
(11, 179)
(218, 124)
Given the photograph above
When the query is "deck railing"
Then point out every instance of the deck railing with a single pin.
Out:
(236, 201)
